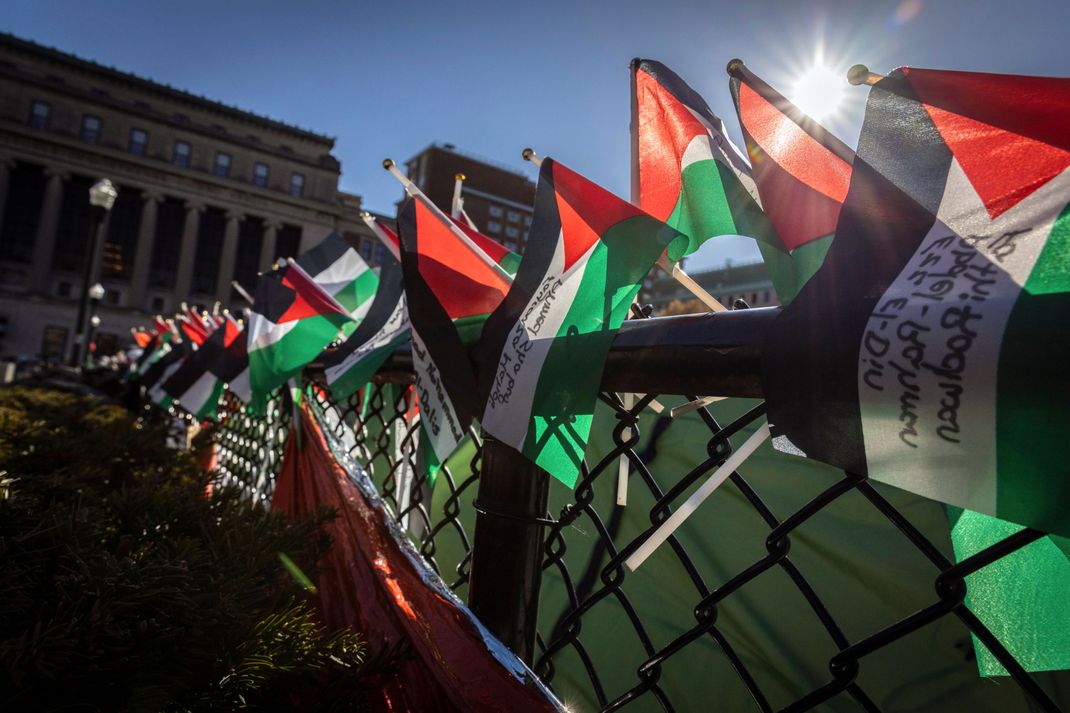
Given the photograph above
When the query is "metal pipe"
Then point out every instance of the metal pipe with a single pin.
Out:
(96, 227)
(503, 589)
(714, 354)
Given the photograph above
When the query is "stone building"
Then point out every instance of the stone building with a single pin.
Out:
(497, 199)
(207, 193)
(748, 282)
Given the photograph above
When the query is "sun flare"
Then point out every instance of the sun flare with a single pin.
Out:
(819, 91)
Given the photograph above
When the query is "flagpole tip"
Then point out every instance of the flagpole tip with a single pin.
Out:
(460, 177)
(388, 163)
(734, 67)
(860, 74)
(527, 153)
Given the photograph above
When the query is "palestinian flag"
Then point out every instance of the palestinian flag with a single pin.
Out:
(142, 337)
(292, 320)
(450, 292)
(685, 170)
(802, 172)
(927, 350)
(165, 336)
(195, 385)
(339, 269)
(542, 352)
(385, 327)
(232, 367)
(168, 361)
(194, 330)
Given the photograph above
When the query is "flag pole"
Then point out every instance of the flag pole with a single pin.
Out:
(689, 506)
(529, 154)
(678, 274)
(860, 74)
(457, 204)
(416, 193)
(241, 291)
(377, 229)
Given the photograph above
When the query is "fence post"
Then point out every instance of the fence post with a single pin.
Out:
(507, 547)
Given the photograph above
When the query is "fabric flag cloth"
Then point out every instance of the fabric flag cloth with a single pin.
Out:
(802, 171)
(233, 365)
(1021, 597)
(926, 351)
(194, 385)
(291, 321)
(542, 352)
(168, 361)
(385, 327)
(685, 170)
(339, 269)
(193, 329)
(450, 292)
(373, 580)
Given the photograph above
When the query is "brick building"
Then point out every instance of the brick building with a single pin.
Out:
(497, 199)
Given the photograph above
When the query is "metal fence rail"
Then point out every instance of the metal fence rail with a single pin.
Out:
(796, 587)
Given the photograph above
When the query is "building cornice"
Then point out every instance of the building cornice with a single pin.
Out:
(55, 56)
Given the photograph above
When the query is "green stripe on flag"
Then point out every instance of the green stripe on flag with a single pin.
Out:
(1032, 393)
(567, 389)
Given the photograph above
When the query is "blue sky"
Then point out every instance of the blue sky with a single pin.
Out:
(491, 77)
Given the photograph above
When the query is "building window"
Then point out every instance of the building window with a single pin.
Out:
(90, 129)
(380, 253)
(495, 211)
(182, 154)
(511, 232)
(297, 184)
(765, 296)
(157, 304)
(39, 112)
(222, 164)
(513, 217)
(494, 226)
(527, 221)
(63, 289)
(54, 343)
(260, 174)
(366, 249)
(139, 141)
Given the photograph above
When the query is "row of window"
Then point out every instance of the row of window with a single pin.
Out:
(181, 154)
(512, 216)
(494, 226)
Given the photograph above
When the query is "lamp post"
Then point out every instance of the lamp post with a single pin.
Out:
(96, 293)
(102, 197)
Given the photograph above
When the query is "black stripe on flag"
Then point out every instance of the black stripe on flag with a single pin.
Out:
(677, 87)
(432, 323)
(810, 358)
(538, 258)
(329, 251)
(383, 304)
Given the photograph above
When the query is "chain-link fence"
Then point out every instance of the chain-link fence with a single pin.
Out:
(795, 587)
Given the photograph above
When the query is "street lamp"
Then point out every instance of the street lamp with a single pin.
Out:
(102, 197)
(94, 321)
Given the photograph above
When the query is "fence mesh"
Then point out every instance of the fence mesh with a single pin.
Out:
(795, 587)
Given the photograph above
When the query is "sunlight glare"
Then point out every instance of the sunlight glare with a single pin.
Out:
(819, 91)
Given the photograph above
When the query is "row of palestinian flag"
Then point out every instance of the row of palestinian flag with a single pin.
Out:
(924, 278)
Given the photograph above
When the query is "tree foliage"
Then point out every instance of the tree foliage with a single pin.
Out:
(125, 586)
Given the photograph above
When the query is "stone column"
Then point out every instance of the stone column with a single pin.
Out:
(184, 272)
(6, 164)
(226, 258)
(146, 240)
(44, 245)
(267, 248)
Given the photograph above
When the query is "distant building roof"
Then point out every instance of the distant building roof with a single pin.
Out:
(55, 55)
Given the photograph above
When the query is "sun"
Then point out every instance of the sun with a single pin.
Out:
(819, 91)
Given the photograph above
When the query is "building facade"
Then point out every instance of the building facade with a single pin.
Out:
(498, 200)
(749, 283)
(207, 194)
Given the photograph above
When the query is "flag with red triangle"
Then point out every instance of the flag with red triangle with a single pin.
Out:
(450, 287)
(542, 352)
(802, 172)
(927, 351)
(292, 320)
